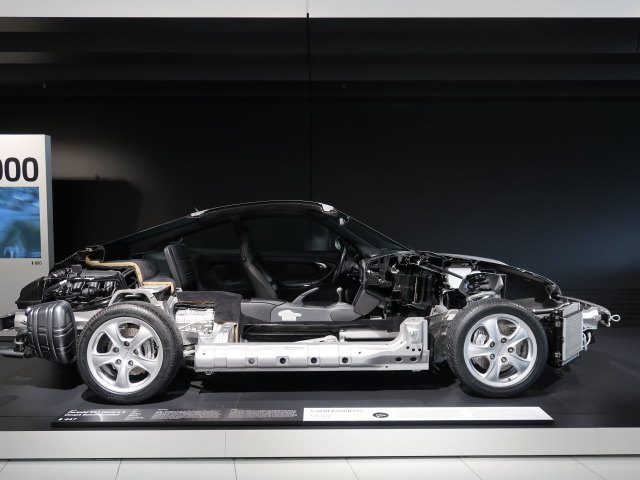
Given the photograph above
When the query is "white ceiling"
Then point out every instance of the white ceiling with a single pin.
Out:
(323, 8)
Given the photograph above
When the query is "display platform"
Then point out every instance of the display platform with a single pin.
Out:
(269, 417)
(591, 401)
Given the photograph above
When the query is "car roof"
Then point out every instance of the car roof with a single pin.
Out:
(267, 206)
(227, 211)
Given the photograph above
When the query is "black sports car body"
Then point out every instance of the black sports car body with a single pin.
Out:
(297, 286)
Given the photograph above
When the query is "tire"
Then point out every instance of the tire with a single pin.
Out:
(122, 367)
(496, 348)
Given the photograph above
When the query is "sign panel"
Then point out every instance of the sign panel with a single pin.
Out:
(26, 240)
(216, 416)
(428, 414)
(167, 417)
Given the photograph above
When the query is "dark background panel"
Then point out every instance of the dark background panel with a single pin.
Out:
(506, 138)
(105, 53)
(119, 167)
(547, 186)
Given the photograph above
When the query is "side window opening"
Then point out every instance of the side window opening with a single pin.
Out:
(289, 234)
(215, 251)
(219, 237)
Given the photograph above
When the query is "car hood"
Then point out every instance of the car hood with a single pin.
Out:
(500, 267)
(471, 257)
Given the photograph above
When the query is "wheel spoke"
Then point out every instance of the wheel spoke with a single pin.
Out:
(491, 326)
(519, 363)
(99, 360)
(474, 350)
(122, 379)
(112, 330)
(493, 372)
(150, 365)
(144, 334)
(516, 337)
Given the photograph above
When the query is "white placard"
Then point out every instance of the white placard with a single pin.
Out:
(427, 414)
(26, 237)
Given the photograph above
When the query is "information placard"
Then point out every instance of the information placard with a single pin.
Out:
(217, 416)
(26, 240)
(428, 415)
(168, 417)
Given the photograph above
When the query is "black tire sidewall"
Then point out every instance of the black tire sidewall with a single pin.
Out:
(466, 319)
(170, 340)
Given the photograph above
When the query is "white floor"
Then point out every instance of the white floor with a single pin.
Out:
(461, 468)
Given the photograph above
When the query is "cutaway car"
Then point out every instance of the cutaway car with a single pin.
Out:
(292, 286)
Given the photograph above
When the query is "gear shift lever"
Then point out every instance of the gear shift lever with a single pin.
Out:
(340, 292)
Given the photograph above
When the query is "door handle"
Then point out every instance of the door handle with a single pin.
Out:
(321, 265)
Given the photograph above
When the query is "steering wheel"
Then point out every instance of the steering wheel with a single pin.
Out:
(341, 264)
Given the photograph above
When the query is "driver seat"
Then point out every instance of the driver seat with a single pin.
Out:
(263, 285)
(182, 268)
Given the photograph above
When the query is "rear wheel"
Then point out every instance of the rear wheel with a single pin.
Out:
(496, 347)
(129, 352)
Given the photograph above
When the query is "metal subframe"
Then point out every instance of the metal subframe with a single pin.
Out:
(408, 351)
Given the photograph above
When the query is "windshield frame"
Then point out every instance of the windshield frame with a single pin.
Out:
(369, 240)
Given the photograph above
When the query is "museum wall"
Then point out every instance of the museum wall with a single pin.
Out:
(548, 186)
(495, 143)
(121, 167)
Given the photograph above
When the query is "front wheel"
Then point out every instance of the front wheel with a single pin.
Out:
(496, 347)
(129, 352)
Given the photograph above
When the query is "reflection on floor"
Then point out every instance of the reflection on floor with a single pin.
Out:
(464, 468)
(600, 389)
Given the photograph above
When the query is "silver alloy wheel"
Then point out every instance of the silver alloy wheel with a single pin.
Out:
(124, 355)
(500, 350)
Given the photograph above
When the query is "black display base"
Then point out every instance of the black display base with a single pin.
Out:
(600, 389)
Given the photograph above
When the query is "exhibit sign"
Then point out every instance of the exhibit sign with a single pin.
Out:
(215, 415)
(26, 237)
(169, 417)
(428, 414)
